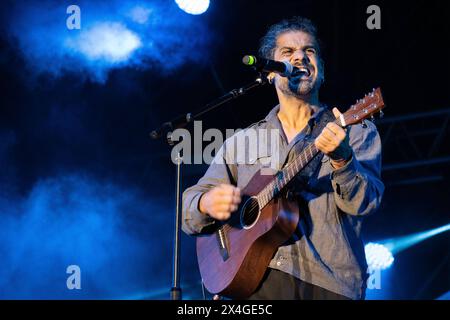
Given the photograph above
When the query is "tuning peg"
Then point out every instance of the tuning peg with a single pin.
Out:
(364, 124)
(381, 114)
(372, 118)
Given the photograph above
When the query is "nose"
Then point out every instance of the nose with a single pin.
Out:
(299, 56)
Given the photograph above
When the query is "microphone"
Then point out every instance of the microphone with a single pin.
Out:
(284, 69)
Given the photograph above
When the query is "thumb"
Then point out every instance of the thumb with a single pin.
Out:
(336, 112)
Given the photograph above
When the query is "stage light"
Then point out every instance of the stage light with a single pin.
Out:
(378, 256)
(193, 6)
(398, 244)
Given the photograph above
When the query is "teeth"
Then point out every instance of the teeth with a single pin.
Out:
(303, 69)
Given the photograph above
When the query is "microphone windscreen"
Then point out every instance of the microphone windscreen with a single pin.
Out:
(249, 60)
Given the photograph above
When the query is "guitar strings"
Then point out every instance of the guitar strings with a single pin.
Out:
(271, 194)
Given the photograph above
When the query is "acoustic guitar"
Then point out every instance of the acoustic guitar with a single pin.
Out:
(233, 259)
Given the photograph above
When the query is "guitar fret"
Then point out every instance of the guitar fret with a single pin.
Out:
(269, 191)
(286, 175)
(282, 178)
(263, 199)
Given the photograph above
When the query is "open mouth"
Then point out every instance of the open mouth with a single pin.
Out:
(302, 72)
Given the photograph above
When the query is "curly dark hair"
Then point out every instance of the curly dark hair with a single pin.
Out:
(268, 43)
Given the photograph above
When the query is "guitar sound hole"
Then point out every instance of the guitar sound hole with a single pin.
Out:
(249, 213)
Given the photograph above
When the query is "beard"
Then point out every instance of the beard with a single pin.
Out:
(298, 87)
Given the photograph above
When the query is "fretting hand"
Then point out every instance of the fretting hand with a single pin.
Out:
(334, 142)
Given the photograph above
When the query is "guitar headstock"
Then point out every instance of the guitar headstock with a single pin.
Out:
(363, 109)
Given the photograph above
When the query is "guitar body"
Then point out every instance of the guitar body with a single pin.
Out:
(233, 261)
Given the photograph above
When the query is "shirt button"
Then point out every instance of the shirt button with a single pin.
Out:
(278, 263)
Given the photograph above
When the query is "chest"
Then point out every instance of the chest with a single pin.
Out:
(291, 132)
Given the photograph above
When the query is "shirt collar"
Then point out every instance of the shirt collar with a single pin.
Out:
(273, 120)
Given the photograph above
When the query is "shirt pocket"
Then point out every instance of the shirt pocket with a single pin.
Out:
(262, 159)
(250, 168)
(325, 158)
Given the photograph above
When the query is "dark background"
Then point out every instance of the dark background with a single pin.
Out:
(82, 183)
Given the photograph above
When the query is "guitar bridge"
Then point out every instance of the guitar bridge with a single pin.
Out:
(223, 243)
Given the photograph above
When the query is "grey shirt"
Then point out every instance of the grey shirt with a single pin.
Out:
(327, 249)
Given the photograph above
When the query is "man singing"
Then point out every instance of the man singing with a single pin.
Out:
(324, 259)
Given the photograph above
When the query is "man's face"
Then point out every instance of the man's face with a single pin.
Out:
(299, 49)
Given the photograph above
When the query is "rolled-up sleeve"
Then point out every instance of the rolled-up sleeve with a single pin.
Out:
(358, 188)
(221, 171)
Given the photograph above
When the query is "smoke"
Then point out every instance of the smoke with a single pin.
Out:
(113, 34)
(111, 42)
(106, 229)
(70, 192)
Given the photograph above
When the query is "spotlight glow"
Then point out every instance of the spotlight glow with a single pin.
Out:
(398, 244)
(193, 6)
(111, 42)
(378, 256)
(119, 34)
(140, 14)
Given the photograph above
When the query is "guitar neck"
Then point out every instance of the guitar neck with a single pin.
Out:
(285, 175)
(364, 108)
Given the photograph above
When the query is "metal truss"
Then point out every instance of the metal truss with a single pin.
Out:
(416, 147)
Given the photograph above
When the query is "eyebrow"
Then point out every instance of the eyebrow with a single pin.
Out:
(305, 47)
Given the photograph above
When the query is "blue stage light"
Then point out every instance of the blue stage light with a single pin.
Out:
(136, 34)
(140, 14)
(193, 6)
(378, 256)
(109, 42)
(398, 244)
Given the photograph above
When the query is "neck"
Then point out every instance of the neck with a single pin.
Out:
(295, 112)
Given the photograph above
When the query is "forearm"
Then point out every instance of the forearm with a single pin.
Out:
(356, 190)
(194, 221)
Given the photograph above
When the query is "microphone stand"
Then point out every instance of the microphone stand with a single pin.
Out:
(166, 129)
